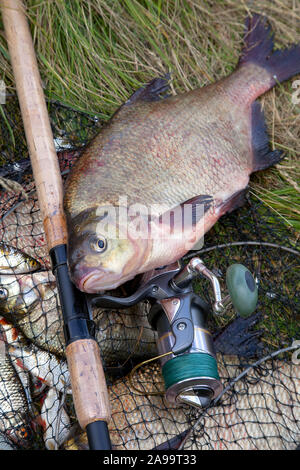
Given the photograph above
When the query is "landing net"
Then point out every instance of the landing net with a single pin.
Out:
(259, 410)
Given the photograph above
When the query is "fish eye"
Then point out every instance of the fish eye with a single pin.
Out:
(3, 293)
(99, 244)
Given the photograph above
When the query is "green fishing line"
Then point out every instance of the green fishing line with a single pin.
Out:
(188, 366)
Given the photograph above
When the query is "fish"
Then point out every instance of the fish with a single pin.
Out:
(5, 444)
(266, 417)
(30, 305)
(11, 334)
(26, 383)
(13, 337)
(14, 408)
(37, 386)
(56, 422)
(164, 169)
(13, 261)
(42, 365)
(21, 227)
(20, 293)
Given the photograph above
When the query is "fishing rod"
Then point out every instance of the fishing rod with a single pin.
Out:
(82, 352)
(180, 317)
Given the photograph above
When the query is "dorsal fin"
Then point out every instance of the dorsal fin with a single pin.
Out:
(152, 91)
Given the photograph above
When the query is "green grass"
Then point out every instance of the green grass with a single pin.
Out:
(94, 53)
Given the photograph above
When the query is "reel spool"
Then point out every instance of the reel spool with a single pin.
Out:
(191, 375)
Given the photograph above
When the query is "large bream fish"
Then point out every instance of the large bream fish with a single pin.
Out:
(157, 156)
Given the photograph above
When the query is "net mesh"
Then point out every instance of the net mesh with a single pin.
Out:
(258, 410)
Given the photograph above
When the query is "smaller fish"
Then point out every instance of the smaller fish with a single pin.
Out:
(33, 386)
(5, 444)
(55, 420)
(19, 294)
(14, 408)
(42, 365)
(25, 380)
(13, 337)
(13, 261)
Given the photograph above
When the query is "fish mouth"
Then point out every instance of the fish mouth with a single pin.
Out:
(96, 281)
(90, 283)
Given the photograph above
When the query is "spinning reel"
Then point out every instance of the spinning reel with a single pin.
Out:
(179, 316)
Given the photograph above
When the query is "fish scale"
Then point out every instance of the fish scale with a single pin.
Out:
(172, 186)
(14, 409)
(23, 229)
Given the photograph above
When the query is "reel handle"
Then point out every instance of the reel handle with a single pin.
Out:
(242, 289)
(243, 293)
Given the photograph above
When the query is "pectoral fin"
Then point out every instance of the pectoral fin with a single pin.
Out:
(185, 216)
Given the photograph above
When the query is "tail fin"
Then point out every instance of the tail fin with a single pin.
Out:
(281, 64)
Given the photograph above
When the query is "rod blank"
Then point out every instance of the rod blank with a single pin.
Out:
(83, 355)
(36, 121)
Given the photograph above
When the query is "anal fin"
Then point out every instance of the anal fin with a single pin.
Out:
(235, 201)
(263, 156)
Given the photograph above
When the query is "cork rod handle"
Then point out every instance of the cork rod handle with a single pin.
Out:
(90, 400)
(36, 121)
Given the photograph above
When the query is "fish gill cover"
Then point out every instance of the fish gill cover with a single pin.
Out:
(260, 410)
